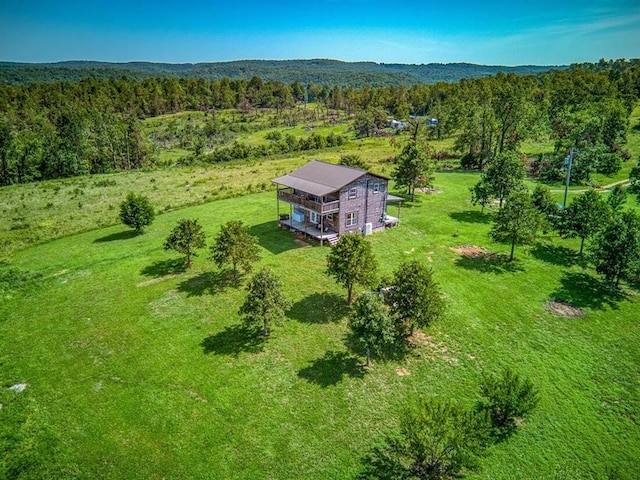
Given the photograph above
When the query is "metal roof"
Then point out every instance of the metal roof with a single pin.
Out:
(320, 178)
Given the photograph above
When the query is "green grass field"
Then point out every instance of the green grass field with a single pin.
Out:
(137, 368)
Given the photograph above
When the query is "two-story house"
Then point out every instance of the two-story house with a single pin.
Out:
(324, 201)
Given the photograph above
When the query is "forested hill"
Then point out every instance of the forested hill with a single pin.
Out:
(319, 72)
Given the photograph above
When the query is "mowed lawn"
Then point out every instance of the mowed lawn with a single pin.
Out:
(137, 368)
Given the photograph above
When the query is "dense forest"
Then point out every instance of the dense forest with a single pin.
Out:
(63, 129)
(319, 71)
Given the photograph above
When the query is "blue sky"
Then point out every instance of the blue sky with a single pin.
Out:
(543, 32)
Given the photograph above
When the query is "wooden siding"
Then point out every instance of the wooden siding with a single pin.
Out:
(370, 206)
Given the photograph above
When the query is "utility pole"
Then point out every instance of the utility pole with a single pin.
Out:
(568, 161)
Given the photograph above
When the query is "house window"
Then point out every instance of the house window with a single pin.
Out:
(330, 217)
(352, 219)
(314, 217)
(376, 187)
(353, 193)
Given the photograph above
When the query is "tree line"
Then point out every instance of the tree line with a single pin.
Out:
(318, 71)
(93, 126)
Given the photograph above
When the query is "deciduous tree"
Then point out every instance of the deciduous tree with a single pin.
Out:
(234, 245)
(136, 212)
(265, 303)
(584, 216)
(353, 160)
(437, 440)
(371, 325)
(414, 297)
(517, 222)
(506, 397)
(615, 250)
(504, 175)
(186, 237)
(351, 262)
(414, 167)
(545, 204)
(617, 198)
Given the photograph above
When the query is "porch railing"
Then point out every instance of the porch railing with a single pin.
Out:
(326, 207)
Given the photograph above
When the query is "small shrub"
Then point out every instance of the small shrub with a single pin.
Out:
(507, 397)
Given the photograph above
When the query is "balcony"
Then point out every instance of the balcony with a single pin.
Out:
(327, 207)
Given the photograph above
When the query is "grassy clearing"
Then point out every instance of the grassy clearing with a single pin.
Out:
(137, 368)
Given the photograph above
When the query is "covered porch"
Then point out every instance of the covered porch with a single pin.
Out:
(308, 229)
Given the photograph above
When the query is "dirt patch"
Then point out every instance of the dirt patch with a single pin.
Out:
(402, 372)
(301, 243)
(563, 309)
(430, 349)
(473, 251)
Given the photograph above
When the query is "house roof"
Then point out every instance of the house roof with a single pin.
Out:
(320, 178)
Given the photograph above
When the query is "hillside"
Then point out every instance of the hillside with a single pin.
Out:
(319, 71)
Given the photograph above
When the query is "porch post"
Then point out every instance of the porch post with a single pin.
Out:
(277, 205)
(321, 222)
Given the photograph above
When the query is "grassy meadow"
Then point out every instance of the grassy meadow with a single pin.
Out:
(138, 368)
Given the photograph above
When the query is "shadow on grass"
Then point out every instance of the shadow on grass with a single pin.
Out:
(234, 340)
(471, 216)
(490, 264)
(270, 237)
(558, 255)
(331, 368)
(319, 308)
(123, 235)
(583, 290)
(209, 283)
(397, 351)
(162, 268)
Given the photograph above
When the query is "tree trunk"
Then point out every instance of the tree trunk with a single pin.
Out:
(581, 245)
(513, 247)
(349, 294)
(368, 364)
(265, 330)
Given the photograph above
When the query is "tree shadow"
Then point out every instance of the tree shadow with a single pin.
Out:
(331, 368)
(556, 254)
(321, 307)
(396, 351)
(274, 239)
(209, 283)
(234, 340)
(583, 290)
(162, 268)
(489, 264)
(471, 216)
(123, 235)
